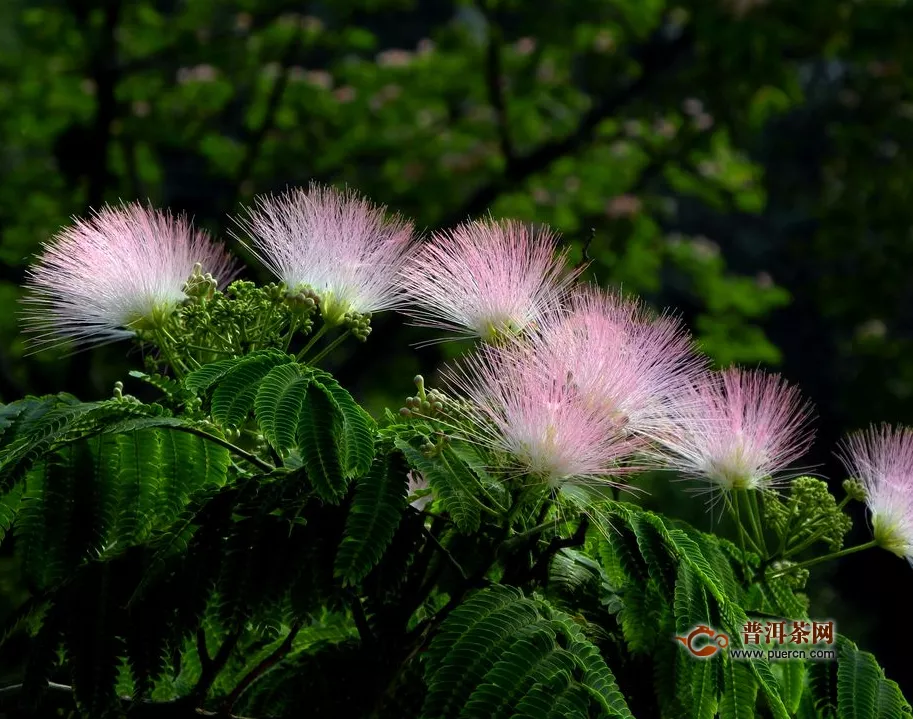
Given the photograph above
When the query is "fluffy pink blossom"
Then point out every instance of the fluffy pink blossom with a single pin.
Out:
(632, 365)
(739, 429)
(519, 407)
(486, 278)
(335, 243)
(121, 269)
(882, 459)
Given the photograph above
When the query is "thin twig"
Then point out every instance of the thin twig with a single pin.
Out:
(211, 672)
(268, 663)
(361, 622)
(556, 545)
(202, 650)
(445, 552)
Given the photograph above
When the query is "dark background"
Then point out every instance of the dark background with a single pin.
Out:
(744, 161)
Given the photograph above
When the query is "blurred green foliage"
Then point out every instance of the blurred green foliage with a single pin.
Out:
(745, 161)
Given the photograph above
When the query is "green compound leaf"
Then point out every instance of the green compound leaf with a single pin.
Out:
(356, 443)
(380, 498)
(863, 692)
(740, 691)
(452, 482)
(279, 403)
(319, 429)
(234, 395)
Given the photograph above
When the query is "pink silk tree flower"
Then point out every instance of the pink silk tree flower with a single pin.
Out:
(486, 279)
(739, 429)
(518, 407)
(882, 459)
(334, 243)
(632, 365)
(120, 270)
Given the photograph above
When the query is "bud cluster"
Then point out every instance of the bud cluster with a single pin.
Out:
(359, 324)
(855, 490)
(793, 576)
(427, 403)
(431, 449)
(200, 285)
(810, 514)
(302, 306)
(119, 396)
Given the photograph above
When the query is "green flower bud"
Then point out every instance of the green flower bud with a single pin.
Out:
(854, 489)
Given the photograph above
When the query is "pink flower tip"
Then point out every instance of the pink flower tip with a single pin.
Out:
(621, 357)
(519, 407)
(486, 279)
(333, 242)
(121, 269)
(882, 459)
(738, 429)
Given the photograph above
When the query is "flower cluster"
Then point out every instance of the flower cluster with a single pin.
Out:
(882, 459)
(122, 270)
(739, 429)
(519, 406)
(334, 243)
(572, 383)
(486, 279)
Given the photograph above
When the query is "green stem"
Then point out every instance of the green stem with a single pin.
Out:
(314, 337)
(161, 339)
(512, 513)
(522, 537)
(754, 516)
(806, 543)
(211, 350)
(264, 327)
(293, 326)
(828, 557)
(743, 533)
(234, 449)
(329, 348)
(784, 538)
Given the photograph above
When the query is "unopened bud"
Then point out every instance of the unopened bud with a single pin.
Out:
(854, 489)
(405, 412)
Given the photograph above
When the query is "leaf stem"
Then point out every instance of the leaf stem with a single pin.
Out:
(176, 365)
(445, 552)
(754, 515)
(523, 537)
(234, 449)
(808, 541)
(329, 348)
(311, 342)
(293, 326)
(828, 557)
(733, 503)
